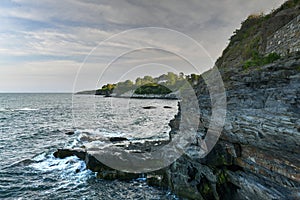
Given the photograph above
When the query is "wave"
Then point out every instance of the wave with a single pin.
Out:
(71, 168)
(100, 133)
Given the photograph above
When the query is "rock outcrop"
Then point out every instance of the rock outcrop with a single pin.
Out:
(258, 154)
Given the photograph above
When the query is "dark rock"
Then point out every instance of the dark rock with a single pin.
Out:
(117, 175)
(64, 153)
(168, 107)
(95, 165)
(149, 107)
(118, 139)
(103, 171)
(70, 133)
(154, 180)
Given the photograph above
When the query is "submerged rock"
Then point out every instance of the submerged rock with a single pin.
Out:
(70, 133)
(149, 107)
(118, 139)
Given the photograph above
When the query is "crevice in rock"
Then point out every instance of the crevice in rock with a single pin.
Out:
(192, 171)
(205, 189)
(238, 149)
(234, 168)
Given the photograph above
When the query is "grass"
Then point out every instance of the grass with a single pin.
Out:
(258, 60)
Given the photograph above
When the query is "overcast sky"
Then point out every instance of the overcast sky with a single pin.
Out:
(44, 43)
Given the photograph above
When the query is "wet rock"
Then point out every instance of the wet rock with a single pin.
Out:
(117, 175)
(93, 164)
(64, 153)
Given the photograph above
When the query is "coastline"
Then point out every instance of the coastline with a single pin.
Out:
(166, 97)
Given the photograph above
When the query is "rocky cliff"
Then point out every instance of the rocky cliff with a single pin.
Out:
(258, 153)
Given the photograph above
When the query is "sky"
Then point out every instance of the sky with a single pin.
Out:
(72, 45)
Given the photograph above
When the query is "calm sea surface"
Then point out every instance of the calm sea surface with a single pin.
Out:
(33, 126)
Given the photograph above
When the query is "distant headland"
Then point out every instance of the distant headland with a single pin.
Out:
(166, 86)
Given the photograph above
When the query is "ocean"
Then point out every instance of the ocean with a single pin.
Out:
(33, 126)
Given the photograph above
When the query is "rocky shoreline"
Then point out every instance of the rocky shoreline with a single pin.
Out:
(257, 155)
(108, 173)
(133, 96)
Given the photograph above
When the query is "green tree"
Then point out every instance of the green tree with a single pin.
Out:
(147, 79)
(171, 78)
(138, 81)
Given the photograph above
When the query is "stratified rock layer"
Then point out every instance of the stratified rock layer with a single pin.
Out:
(258, 154)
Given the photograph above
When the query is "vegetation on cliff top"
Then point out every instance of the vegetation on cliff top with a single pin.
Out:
(247, 45)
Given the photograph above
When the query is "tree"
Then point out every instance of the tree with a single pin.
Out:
(171, 78)
(123, 87)
(128, 83)
(147, 79)
(138, 81)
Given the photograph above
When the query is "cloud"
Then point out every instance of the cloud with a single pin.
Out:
(57, 32)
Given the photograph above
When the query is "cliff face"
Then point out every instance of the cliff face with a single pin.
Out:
(258, 153)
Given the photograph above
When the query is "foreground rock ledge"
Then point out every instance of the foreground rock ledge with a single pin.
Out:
(107, 173)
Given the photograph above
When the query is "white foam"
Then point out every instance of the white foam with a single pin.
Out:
(100, 133)
(39, 157)
(27, 109)
(69, 168)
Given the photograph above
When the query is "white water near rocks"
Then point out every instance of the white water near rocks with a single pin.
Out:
(33, 126)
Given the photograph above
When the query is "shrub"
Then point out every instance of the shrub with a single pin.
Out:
(152, 88)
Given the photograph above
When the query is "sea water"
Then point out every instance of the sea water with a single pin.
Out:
(33, 126)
